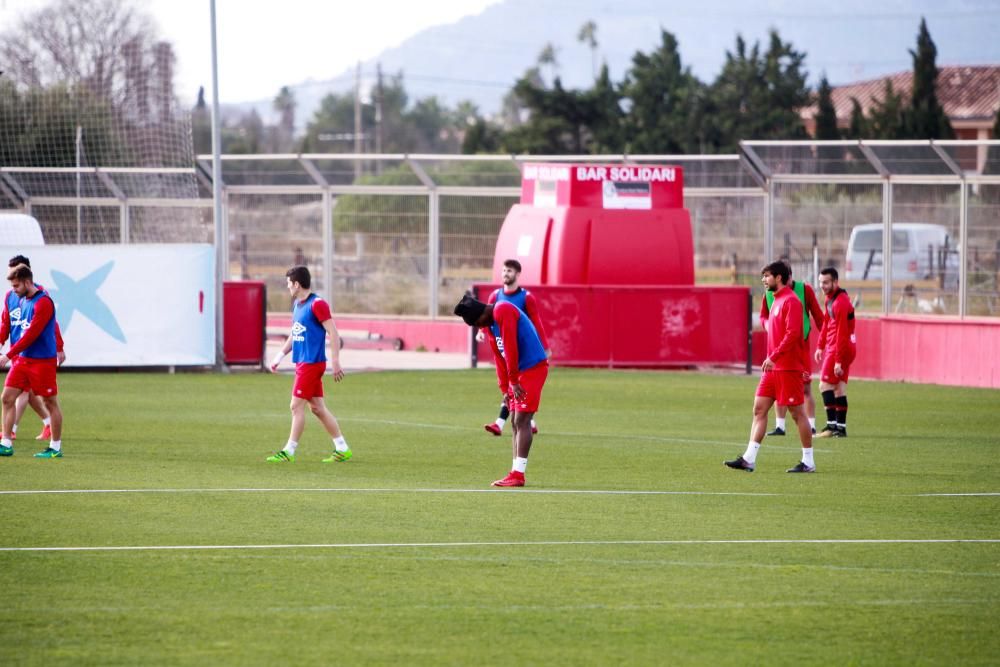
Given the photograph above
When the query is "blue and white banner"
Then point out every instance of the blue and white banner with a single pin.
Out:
(129, 305)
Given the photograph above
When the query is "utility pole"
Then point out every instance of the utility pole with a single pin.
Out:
(357, 122)
(378, 116)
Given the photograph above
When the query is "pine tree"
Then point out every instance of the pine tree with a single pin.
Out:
(886, 119)
(826, 114)
(925, 118)
(857, 127)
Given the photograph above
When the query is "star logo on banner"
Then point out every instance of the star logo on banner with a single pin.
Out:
(81, 295)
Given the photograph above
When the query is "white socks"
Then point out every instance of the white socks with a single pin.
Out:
(807, 457)
(45, 422)
(6, 442)
(779, 422)
(812, 423)
(500, 422)
(56, 445)
(340, 444)
(290, 447)
(14, 431)
(750, 455)
(520, 465)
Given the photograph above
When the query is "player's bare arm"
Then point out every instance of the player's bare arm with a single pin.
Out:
(335, 368)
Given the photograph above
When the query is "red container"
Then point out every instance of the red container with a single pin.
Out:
(244, 322)
(599, 225)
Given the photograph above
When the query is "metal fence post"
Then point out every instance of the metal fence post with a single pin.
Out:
(963, 250)
(886, 246)
(123, 232)
(769, 230)
(328, 244)
(433, 250)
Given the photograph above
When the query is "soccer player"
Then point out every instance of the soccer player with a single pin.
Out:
(35, 368)
(311, 322)
(526, 302)
(837, 347)
(521, 370)
(810, 305)
(781, 380)
(14, 332)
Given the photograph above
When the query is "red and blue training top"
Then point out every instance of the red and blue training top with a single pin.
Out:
(37, 338)
(522, 348)
(308, 333)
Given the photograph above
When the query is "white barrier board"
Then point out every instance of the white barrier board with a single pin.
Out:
(129, 305)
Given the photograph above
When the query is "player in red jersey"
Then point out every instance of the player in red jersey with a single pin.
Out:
(837, 348)
(781, 380)
(521, 370)
(525, 300)
(807, 296)
(10, 306)
(36, 367)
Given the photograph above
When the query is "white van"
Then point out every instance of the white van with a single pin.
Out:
(920, 251)
(18, 229)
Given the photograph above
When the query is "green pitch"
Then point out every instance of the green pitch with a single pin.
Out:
(405, 556)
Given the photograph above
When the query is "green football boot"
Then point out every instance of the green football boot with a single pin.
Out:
(281, 457)
(6, 451)
(49, 453)
(340, 457)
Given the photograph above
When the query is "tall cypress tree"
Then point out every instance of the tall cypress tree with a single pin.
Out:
(826, 114)
(925, 118)
(857, 128)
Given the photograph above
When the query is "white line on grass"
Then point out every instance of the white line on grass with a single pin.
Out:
(945, 495)
(598, 492)
(544, 543)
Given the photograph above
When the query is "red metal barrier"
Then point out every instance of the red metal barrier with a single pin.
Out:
(641, 326)
(244, 314)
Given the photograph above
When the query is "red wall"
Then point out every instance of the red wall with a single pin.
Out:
(449, 334)
(640, 326)
(933, 350)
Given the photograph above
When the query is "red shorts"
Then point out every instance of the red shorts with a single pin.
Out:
(532, 381)
(37, 375)
(308, 380)
(783, 386)
(829, 376)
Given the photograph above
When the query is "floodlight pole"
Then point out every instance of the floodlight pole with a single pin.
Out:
(221, 234)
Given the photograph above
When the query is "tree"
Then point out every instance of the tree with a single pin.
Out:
(98, 45)
(547, 58)
(663, 97)
(588, 36)
(758, 95)
(284, 105)
(857, 127)
(39, 130)
(885, 120)
(826, 114)
(925, 118)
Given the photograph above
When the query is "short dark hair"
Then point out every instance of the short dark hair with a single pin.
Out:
(830, 271)
(21, 272)
(778, 269)
(18, 259)
(513, 264)
(300, 275)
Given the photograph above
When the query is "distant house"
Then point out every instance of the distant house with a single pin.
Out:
(970, 96)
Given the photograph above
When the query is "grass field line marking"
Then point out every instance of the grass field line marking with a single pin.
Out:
(573, 434)
(596, 492)
(541, 543)
(945, 495)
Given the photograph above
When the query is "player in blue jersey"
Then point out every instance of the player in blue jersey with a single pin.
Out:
(10, 327)
(311, 322)
(521, 370)
(35, 351)
(525, 301)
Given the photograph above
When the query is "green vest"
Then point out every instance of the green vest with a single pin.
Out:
(800, 291)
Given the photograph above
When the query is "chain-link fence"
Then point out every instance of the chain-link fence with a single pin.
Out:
(405, 235)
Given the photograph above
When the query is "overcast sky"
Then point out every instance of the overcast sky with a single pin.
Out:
(265, 44)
